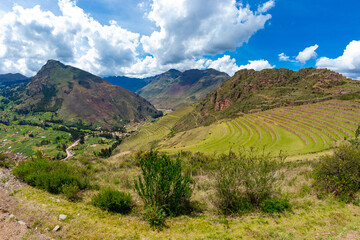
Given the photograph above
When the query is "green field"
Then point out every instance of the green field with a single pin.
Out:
(296, 130)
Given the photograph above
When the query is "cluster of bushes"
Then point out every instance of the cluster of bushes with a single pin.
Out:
(106, 152)
(248, 180)
(53, 176)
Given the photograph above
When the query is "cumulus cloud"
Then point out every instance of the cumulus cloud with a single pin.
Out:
(186, 31)
(284, 57)
(224, 64)
(307, 54)
(347, 64)
(228, 65)
(257, 65)
(31, 36)
(266, 6)
(188, 28)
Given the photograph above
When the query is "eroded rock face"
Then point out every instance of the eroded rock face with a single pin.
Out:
(223, 104)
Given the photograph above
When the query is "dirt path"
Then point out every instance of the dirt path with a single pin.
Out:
(69, 153)
(121, 154)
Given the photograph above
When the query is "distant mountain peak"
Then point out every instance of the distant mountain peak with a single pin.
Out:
(76, 94)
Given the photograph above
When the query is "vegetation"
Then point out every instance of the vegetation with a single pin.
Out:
(163, 186)
(53, 176)
(339, 174)
(246, 180)
(113, 201)
(251, 91)
(275, 205)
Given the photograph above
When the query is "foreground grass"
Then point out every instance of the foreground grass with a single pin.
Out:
(311, 218)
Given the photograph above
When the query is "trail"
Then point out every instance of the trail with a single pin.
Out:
(121, 154)
(69, 153)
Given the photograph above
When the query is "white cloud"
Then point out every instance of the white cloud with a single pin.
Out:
(284, 57)
(224, 64)
(32, 36)
(266, 6)
(347, 64)
(188, 28)
(257, 65)
(307, 54)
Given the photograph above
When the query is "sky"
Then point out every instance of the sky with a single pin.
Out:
(140, 38)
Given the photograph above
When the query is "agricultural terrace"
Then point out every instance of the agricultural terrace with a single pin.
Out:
(295, 130)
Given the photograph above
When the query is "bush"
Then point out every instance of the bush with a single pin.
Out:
(275, 205)
(162, 184)
(51, 176)
(246, 180)
(113, 201)
(339, 174)
(71, 192)
(155, 216)
(3, 162)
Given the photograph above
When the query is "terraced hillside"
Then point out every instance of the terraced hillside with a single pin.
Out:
(296, 130)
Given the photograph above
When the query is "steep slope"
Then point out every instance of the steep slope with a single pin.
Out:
(76, 94)
(253, 91)
(174, 89)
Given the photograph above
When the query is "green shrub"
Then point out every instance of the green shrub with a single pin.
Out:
(3, 162)
(162, 184)
(339, 174)
(275, 205)
(71, 192)
(113, 201)
(155, 216)
(51, 176)
(245, 180)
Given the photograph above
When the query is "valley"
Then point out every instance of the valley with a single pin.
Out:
(310, 120)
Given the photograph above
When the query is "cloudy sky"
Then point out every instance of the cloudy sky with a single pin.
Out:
(141, 38)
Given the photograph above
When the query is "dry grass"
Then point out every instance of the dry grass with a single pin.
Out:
(311, 218)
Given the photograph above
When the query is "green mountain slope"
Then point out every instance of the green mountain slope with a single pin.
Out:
(12, 80)
(174, 89)
(75, 94)
(253, 91)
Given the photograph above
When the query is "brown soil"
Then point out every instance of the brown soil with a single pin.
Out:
(13, 226)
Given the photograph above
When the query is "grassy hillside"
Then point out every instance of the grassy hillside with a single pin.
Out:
(75, 94)
(149, 136)
(174, 89)
(296, 130)
(310, 218)
(251, 91)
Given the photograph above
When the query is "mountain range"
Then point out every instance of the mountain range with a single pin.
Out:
(174, 89)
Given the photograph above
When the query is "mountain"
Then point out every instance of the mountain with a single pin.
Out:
(131, 84)
(75, 94)
(174, 89)
(12, 80)
(253, 91)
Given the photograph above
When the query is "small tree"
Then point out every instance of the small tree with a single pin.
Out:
(162, 185)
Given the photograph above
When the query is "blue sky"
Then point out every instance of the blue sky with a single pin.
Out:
(141, 38)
